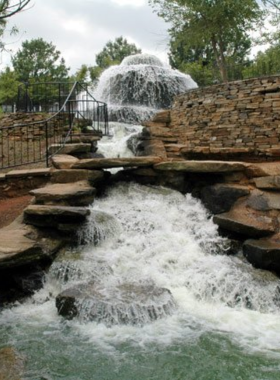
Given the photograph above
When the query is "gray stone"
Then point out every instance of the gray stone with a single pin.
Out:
(21, 244)
(74, 175)
(100, 163)
(264, 200)
(263, 169)
(29, 173)
(74, 194)
(268, 183)
(245, 221)
(263, 253)
(63, 161)
(123, 304)
(202, 166)
(53, 216)
(220, 198)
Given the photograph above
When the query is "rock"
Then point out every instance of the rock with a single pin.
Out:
(162, 117)
(245, 221)
(264, 200)
(263, 169)
(100, 163)
(220, 198)
(41, 172)
(21, 244)
(202, 166)
(11, 364)
(72, 149)
(75, 175)
(63, 161)
(263, 253)
(123, 304)
(74, 194)
(268, 183)
(54, 216)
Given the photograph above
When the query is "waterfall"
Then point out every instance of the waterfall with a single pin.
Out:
(139, 87)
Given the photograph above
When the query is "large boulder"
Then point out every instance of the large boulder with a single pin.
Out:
(106, 163)
(123, 304)
(244, 220)
(263, 253)
(221, 197)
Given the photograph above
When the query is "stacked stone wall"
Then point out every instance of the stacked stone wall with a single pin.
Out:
(239, 120)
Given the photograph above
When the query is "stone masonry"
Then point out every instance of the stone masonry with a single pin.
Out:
(236, 120)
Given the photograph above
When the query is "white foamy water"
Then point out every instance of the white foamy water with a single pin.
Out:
(116, 145)
(158, 236)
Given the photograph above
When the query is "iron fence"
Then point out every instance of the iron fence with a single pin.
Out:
(27, 143)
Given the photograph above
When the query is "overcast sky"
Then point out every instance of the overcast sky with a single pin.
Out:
(80, 28)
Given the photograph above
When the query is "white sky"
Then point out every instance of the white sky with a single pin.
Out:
(80, 28)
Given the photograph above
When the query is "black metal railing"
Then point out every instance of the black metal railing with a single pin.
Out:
(28, 143)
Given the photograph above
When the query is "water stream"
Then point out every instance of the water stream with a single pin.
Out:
(226, 324)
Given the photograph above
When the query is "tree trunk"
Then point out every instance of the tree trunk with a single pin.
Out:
(220, 58)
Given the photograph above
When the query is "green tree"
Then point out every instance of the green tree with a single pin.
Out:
(8, 86)
(214, 24)
(265, 63)
(114, 52)
(39, 61)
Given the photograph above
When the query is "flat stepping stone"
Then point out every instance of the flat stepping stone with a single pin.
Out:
(201, 166)
(63, 161)
(106, 163)
(20, 245)
(75, 175)
(77, 194)
(263, 253)
(246, 221)
(52, 216)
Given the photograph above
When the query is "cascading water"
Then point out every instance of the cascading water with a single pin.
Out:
(139, 87)
(224, 323)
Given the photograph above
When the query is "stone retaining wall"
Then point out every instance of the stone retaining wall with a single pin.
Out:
(16, 183)
(239, 120)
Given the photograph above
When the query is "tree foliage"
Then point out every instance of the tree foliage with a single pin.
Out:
(114, 52)
(216, 25)
(9, 8)
(39, 61)
(8, 86)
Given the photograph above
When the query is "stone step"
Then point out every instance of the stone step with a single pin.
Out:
(57, 217)
(201, 166)
(63, 161)
(75, 175)
(73, 194)
(243, 220)
(21, 244)
(106, 163)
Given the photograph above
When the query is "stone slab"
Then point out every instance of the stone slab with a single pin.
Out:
(63, 161)
(28, 173)
(201, 166)
(268, 183)
(264, 200)
(61, 192)
(107, 163)
(74, 175)
(263, 169)
(20, 245)
(70, 148)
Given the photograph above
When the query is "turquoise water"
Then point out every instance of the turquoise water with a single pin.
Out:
(226, 325)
